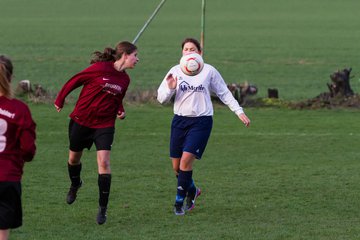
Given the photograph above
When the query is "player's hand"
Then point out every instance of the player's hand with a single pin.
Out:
(57, 108)
(171, 81)
(121, 115)
(244, 119)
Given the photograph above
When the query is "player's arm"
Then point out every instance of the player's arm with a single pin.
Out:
(73, 83)
(27, 136)
(121, 114)
(167, 88)
(220, 88)
(69, 86)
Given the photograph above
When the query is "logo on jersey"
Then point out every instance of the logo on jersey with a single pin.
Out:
(112, 88)
(7, 113)
(186, 87)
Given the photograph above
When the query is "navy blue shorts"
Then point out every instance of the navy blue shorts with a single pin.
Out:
(10, 205)
(81, 137)
(189, 134)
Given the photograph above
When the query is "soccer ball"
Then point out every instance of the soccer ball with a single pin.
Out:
(191, 64)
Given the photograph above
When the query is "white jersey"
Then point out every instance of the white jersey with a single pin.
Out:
(193, 93)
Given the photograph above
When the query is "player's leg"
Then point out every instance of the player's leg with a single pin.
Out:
(79, 138)
(195, 144)
(176, 166)
(179, 200)
(10, 208)
(103, 139)
(192, 191)
(74, 167)
(74, 170)
(104, 178)
(104, 183)
(4, 234)
(177, 137)
(184, 179)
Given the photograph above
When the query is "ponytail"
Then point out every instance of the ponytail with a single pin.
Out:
(110, 54)
(107, 55)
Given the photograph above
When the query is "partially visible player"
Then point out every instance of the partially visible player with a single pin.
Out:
(17, 146)
(192, 122)
(104, 84)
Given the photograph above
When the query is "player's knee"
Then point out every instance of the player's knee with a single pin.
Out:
(104, 165)
(74, 161)
(74, 157)
(186, 165)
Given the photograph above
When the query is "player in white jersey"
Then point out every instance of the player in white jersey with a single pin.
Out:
(192, 122)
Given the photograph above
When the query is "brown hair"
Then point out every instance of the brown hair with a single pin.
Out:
(6, 71)
(192, 40)
(110, 54)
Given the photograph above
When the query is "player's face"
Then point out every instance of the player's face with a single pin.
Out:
(132, 59)
(190, 47)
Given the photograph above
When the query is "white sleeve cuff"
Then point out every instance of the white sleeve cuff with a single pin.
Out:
(239, 111)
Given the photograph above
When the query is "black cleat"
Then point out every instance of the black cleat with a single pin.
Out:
(101, 216)
(179, 209)
(190, 201)
(71, 196)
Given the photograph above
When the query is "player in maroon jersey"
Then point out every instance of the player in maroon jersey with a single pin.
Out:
(104, 84)
(17, 146)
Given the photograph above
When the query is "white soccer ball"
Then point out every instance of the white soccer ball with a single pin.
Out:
(191, 64)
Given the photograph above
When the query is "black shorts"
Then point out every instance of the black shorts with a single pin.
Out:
(10, 205)
(81, 137)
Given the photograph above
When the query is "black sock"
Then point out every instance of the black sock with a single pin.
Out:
(104, 182)
(184, 182)
(74, 174)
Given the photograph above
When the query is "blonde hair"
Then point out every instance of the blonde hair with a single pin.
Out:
(6, 70)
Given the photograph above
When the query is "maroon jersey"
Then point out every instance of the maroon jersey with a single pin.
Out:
(101, 96)
(17, 138)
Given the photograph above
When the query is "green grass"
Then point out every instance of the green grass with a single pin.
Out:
(290, 45)
(291, 175)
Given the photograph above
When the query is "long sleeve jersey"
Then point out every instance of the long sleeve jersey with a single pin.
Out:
(101, 96)
(193, 93)
(17, 138)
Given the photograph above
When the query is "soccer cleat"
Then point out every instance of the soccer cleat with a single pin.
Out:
(178, 209)
(190, 200)
(71, 196)
(101, 216)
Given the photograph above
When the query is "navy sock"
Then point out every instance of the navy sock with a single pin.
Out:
(104, 182)
(192, 189)
(184, 182)
(74, 174)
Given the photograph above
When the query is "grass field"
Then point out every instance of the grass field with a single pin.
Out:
(286, 44)
(291, 175)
